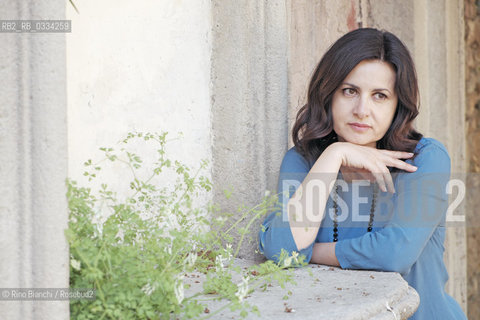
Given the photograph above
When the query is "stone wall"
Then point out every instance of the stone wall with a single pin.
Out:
(472, 117)
(249, 102)
(33, 161)
(138, 67)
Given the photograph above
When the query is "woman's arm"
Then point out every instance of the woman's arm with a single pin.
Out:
(419, 208)
(304, 217)
(286, 229)
(307, 201)
(275, 233)
(324, 253)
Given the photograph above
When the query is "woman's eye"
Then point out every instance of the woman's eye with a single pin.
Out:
(349, 92)
(380, 96)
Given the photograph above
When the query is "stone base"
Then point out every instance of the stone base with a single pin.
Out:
(326, 293)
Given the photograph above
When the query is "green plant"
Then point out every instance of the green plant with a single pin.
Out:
(73, 5)
(135, 249)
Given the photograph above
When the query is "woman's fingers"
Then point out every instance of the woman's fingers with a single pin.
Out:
(391, 159)
(383, 175)
(386, 182)
(380, 180)
(396, 154)
(395, 162)
(377, 162)
(380, 174)
(389, 181)
(404, 166)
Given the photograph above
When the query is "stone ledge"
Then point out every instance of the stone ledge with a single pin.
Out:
(329, 293)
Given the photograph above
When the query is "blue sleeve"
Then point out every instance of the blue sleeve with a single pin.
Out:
(275, 233)
(419, 207)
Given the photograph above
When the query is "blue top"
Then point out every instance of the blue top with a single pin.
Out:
(408, 229)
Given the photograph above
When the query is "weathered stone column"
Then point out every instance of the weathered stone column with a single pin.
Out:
(249, 101)
(472, 115)
(33, 162)
(439, 54)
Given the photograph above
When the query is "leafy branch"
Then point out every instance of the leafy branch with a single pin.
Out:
(135, 249)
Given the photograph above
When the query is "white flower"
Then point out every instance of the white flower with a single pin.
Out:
(267, 193)
(75, 264)
(120, 235)
(178, 289)
(287, 262)
(148, 289)
(242, 289)
(219, 260)
(139, 239)
(191, 258)
(228, 253)
(295, 256)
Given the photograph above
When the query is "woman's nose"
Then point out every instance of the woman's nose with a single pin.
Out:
(361, 109)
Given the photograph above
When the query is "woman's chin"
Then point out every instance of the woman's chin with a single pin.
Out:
(363, 142)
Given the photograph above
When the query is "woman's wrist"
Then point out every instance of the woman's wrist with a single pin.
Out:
(334, 153)
(324, 253)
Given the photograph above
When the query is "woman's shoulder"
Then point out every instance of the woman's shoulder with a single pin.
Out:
(429, 144)
(431, 155)
(294, 161)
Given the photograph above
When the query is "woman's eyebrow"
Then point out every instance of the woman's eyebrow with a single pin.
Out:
(356, 87)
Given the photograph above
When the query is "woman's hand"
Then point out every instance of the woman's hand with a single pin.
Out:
(371, 163)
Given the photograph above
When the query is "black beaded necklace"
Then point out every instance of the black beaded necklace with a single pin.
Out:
(335, 207)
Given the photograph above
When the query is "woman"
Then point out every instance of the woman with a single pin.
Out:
(362, 189)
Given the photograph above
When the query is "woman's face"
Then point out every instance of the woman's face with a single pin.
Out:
(364, 104)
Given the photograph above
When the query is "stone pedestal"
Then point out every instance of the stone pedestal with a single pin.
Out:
(323, 292)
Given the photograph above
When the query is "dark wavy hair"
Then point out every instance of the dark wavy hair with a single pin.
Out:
(313, 128)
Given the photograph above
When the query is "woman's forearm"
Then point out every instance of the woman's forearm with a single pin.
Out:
(324, 253)
(305, 217)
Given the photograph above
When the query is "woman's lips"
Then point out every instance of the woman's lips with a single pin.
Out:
(359, 127)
